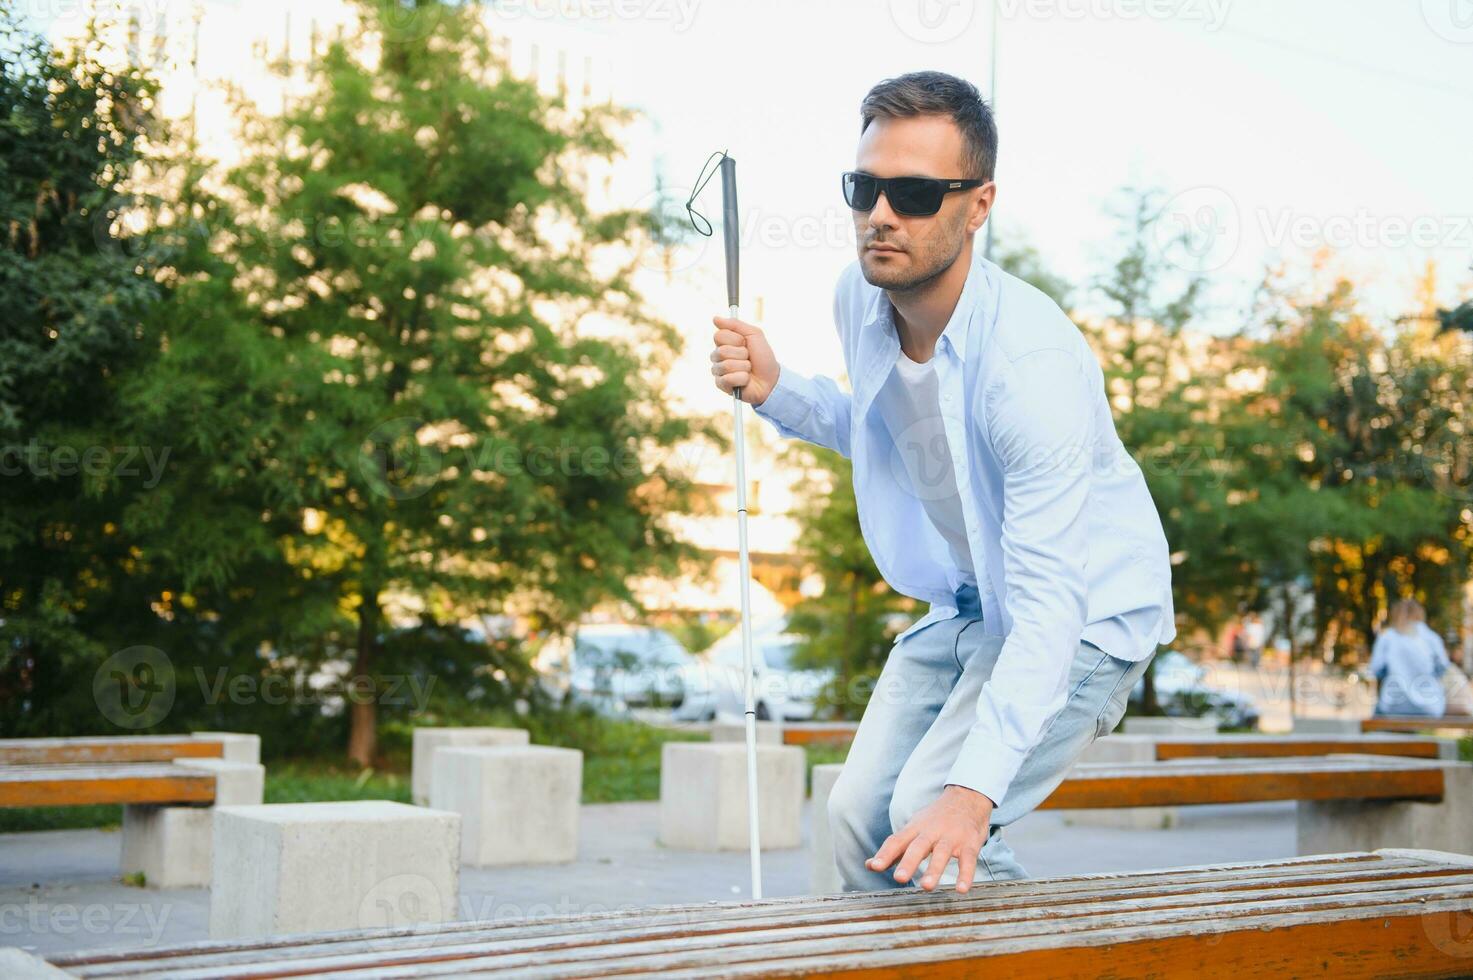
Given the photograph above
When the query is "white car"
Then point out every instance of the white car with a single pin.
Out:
(716, 689)
(615, 665)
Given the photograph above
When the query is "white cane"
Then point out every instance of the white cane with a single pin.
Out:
(730, 231)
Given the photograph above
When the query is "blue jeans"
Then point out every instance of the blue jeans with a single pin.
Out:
(923, 706)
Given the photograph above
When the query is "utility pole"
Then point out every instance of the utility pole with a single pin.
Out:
(992, 99)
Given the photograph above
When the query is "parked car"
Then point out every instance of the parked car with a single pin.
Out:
(615, 666)
(1182, 691)
(715, 688)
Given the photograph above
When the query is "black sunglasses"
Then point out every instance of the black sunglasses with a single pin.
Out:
(914, 197)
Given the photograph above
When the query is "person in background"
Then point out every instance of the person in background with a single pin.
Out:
(1407, 666)
(1255, 635)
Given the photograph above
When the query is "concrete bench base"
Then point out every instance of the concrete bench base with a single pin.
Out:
(823, 873)
(315, 867)
(427, 740)
(703, 795)
(518, 804)
(768, 732)
(169, 846)
(1331, 825)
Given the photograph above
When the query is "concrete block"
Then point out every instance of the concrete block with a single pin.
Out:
(823, 873)
(237, 747)
(703, 795)
(1125, 748)
(1326, 726)
(517, 804)
(768, 732)
(316, 867)
(427, 740)
(170, 845)
(1339, 825)
(1144, 725)
(17, 964)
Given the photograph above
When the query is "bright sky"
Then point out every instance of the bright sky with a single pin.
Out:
(1294, 123)
(1286, 125)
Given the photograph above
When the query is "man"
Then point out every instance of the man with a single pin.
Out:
(990, 483)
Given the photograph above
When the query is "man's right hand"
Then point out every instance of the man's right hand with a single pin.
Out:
(742, 359)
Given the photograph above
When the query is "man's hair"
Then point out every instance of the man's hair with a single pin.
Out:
(935, 93)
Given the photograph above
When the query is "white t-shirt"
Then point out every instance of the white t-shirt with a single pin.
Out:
(909, 402)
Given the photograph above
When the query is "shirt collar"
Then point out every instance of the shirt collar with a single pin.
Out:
(879, 312)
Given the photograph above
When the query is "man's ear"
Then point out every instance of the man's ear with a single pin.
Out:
(981, 206)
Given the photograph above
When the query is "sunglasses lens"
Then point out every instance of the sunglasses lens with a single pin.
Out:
(915, 195)
(860, 191)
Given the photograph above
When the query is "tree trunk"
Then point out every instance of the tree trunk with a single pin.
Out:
(362, 690)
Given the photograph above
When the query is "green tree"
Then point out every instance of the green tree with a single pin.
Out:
(465, 381)
(72, 134)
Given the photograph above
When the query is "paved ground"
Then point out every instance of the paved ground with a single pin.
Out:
(59, 890)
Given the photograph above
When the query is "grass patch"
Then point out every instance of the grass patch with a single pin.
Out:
(23, 819)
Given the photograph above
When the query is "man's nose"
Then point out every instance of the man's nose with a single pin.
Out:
(881, 216)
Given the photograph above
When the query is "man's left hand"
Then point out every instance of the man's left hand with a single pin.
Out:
(954, 826)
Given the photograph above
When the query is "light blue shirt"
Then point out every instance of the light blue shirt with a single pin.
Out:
(1409, 666)
(1065, 541)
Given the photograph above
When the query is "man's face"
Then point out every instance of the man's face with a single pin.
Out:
(899, 252)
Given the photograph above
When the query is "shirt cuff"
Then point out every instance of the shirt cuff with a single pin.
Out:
(986, 766)
(791, 400)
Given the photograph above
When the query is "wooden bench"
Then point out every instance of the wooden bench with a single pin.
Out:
(1344, 802)
(122, 782)
(819, 732)
(1190, 782)
(1462, 724)
(1272, 746)
(166, 785)
(1383, 914)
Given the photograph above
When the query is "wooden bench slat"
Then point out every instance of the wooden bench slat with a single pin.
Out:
(1260, 746)
(1191, 782)
(738, 914)
(1390, 942)
(140, 748)
(79, 785)
(968, 942)
(819, 732)
(584, 938)
(1412, 723)
(491, 938)
(983, 918)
